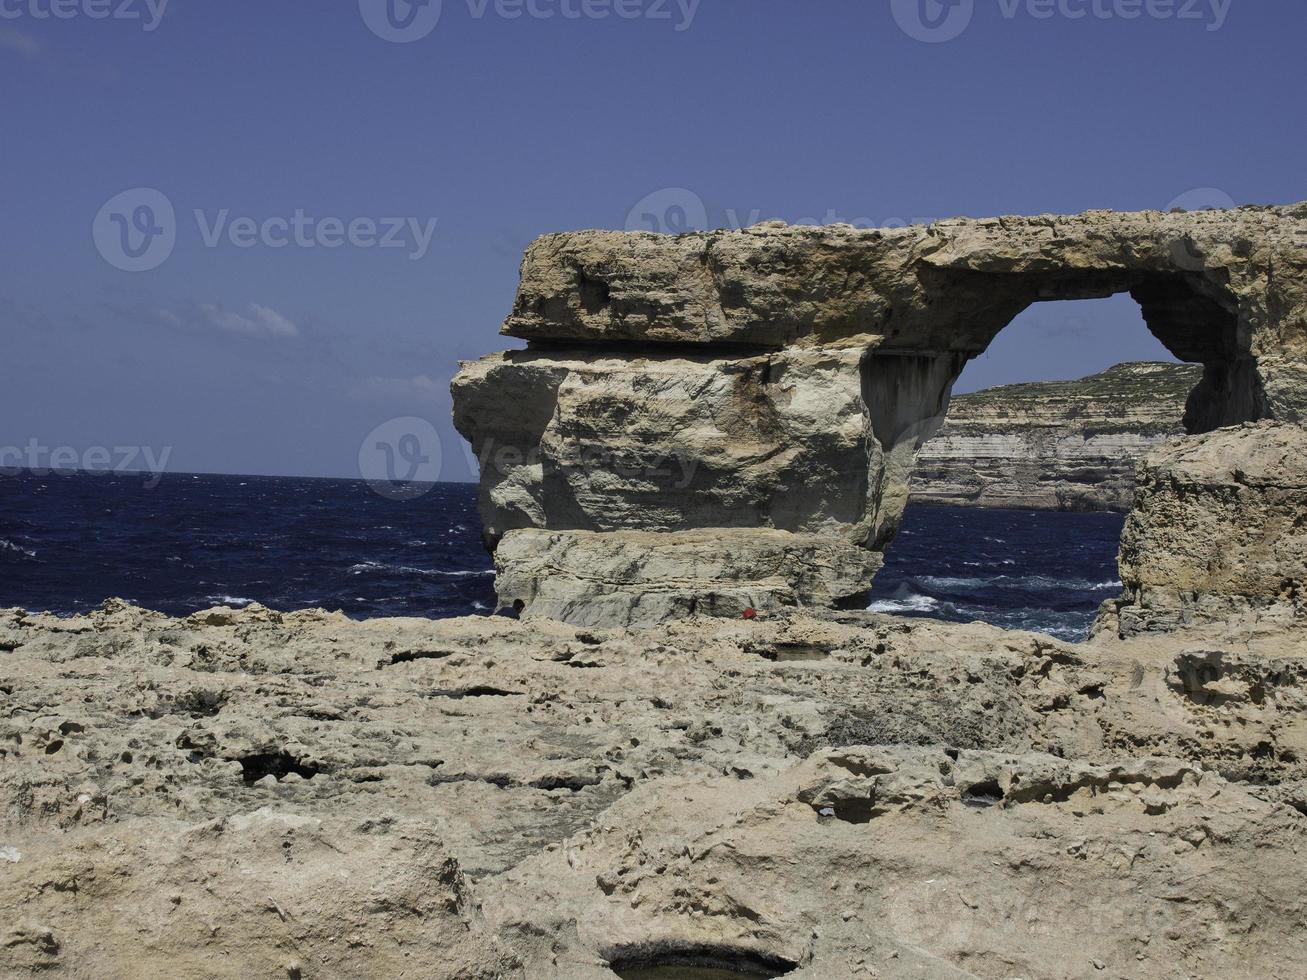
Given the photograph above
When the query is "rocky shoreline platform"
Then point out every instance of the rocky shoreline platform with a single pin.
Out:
(251, 793)
(693, 756)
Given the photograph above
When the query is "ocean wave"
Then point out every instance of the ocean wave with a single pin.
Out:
(908, 604)
(1023, 583)
(229, 600)
(7, 545)
(369, 567)
(1072, 627)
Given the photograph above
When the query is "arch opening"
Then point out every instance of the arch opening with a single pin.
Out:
(1017, 494)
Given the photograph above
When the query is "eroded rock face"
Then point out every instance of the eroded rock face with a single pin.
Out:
(602, 442)
(1218, 532)
(252, 793)
(789, 374)
(646, 578)
(1059, 445)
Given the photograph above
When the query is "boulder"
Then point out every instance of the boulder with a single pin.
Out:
(1218, 532)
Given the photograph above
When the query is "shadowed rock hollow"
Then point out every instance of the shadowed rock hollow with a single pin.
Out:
(782, 378)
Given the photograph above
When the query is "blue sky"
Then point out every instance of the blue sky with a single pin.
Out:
(245, 357)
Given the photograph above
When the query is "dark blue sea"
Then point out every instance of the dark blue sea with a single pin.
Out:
(68, 542)
(1019, 569)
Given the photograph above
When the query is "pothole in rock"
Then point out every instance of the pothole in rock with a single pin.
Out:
(699, 964)
(477, 691)
(795, 653)
(983, 795)
(276, 764)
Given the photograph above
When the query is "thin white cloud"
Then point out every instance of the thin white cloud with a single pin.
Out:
(255, 320)
(24, 44)
(416, 389)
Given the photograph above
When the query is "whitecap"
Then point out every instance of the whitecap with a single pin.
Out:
(374, 566)
(1021, 583)
(909, 604)
(7, 545)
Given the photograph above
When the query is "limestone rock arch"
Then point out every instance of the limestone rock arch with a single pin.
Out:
(772, 385)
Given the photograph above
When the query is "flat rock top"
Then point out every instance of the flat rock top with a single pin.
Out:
(257, 793)
(775, 284)
(1262, 454)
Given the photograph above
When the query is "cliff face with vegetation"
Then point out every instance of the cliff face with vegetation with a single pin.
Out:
(1059, 445)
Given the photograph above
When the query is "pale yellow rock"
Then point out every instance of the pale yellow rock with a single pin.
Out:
(253, 793)
(1218, 532)
(783, 378)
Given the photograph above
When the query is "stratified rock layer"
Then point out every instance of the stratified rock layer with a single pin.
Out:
(253, 793)
(782, 378)
(1058, 445)
(1218, 532)
(645, 578)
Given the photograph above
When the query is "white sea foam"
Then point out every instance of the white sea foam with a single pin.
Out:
(908, 604)
(1024, 583)
(7, 545)
(376, 566)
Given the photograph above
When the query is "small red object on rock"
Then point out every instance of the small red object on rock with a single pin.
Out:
(750, 613)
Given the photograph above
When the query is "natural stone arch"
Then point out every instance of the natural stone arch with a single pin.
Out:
(907, 394)
(779, 380)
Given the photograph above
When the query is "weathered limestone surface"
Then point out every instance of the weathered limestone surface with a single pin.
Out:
(645, 578)
(251, 793)
(1218, 532)
(1225, 288)
(1060, 445)
(660, 443)
(790, 374)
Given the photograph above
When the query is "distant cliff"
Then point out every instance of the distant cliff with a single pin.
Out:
(1059, 445)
